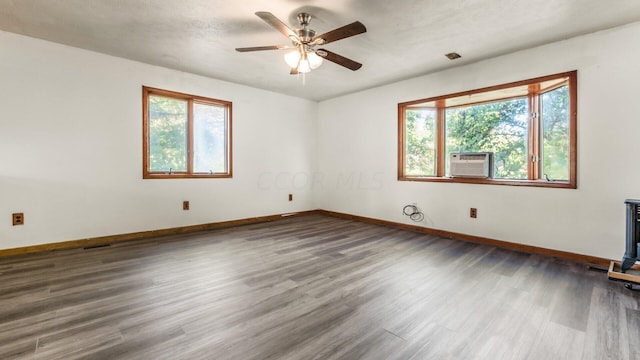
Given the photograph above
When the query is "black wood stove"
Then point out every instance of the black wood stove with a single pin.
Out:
(633, 234)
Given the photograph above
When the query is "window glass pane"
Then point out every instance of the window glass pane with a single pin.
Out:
(500, 127)
(209, 138)
(555, 133)
(420, 151)
(167, 134)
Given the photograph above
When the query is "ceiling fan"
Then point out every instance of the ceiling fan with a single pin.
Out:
(304, 41)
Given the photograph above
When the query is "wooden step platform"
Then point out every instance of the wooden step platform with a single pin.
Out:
(632, 275)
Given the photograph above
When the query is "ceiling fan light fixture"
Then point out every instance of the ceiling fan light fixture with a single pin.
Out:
(304, 66)
(292, 58)
(303, 61)
(314, 60)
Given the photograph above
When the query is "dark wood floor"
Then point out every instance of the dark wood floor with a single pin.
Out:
(311, 287)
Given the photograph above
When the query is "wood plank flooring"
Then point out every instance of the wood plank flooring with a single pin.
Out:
(310, 287)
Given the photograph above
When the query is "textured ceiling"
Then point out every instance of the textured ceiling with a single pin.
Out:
(404, 38)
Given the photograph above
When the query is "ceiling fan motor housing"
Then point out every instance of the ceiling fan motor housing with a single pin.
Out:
(305, 35)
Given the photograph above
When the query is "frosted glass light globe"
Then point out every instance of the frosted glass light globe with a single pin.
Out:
(314, 60)
(292, 58)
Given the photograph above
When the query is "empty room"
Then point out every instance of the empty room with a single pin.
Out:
(209, 179)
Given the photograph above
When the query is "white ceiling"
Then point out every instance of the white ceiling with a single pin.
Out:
(404, 38)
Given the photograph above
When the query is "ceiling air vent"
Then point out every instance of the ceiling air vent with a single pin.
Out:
(453, 56)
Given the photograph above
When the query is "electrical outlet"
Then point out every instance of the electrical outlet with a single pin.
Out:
(18, 219)
(290, 197)
(185, 205)
(473, 212)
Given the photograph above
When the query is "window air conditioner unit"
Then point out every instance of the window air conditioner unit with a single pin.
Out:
(472, 165)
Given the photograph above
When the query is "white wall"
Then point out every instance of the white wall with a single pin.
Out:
(71, 148)
(71, 133)
(357, 151)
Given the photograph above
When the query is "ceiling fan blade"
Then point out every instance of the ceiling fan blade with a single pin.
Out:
(341, 33)
(294, 71)
(339, 59)
(260, 48)
(270, 19)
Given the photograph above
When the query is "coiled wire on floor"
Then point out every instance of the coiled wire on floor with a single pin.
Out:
(413, 213)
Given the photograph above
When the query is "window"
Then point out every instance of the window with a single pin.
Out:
(185, 136)
(529, 126)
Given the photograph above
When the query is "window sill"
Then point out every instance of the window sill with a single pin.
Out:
(185, 176)
(532, 183)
